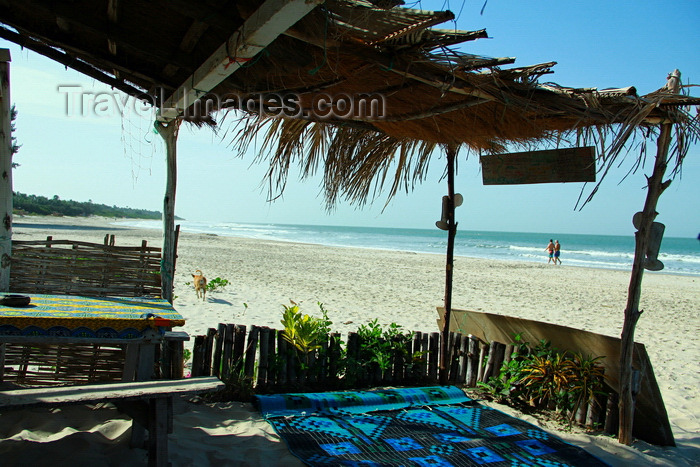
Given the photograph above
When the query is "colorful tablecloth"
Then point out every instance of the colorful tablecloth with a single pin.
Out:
(77, 316)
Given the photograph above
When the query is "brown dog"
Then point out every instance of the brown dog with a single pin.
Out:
(200, 284)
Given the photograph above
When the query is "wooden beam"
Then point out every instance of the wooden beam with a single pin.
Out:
(656, 186)
(169, 131)
(113, 17)
(66, 14)
(5, 171)
(78, 65)
(259, 30)
(451, 153)
(189, 41)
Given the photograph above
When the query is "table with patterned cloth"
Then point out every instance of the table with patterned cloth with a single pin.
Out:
(140, 323)
(87, 317)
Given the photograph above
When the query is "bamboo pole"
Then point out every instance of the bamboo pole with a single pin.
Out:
(451, 232)
(168, 131)
(656, 186)
(6, 171)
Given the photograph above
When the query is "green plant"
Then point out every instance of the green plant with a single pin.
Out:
(304, 332)
(588, 383)
(380, 346)
(505, 386)
(547, 379)
(544, 377)
(216, 284)
(186, 355)
(238, 386)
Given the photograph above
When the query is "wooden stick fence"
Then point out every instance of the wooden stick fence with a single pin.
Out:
(82, 268)
(261, 354)
(262, 357)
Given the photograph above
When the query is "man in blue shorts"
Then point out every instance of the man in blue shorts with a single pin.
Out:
(550, 250)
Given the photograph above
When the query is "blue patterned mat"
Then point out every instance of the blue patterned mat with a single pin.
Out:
(432, 426)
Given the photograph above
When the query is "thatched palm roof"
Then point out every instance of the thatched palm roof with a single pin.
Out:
(431, 94)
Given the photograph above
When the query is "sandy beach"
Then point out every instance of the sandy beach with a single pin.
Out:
(356, 286)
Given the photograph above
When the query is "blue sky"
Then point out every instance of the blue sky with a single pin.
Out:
(120, 161)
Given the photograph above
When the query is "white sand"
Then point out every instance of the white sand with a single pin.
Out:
(356, 286)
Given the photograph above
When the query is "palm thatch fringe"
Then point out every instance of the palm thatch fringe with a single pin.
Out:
(359, 163)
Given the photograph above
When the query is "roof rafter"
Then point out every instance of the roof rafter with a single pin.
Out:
(70, 61)
(259, 30)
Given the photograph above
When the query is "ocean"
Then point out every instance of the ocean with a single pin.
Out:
(679, 255)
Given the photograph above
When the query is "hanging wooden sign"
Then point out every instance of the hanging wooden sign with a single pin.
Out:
(549, 166)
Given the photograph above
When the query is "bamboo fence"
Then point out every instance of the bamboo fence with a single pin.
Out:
(81, 268)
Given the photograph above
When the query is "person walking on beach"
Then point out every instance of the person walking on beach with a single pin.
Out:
(557, 252)
(550, 250)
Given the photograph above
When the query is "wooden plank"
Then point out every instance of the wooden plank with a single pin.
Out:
(281, 377)
(218, 349)
(433, 355)
(454, 356)
(650, 420)
(417, 365)
(292, 362)
(353, 349)
(272, 356)
(228, 337)
(475, 359)
(549, 166)
(498, 357)
(425, 349)
(472, 365)
(483, 355)
(463, 360)
(208, 351)
(198, 356)
(490, 362)
(238, 354)
(263, 361)
(251, 351)
(28, 397)
(323, 360)
(334, 352)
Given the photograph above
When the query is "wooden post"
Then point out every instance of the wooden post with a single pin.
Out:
(451, 232)
(168, 131)
(472, 362)
(656, 186)
(6, 171)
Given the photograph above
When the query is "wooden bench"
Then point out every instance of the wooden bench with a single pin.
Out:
(148, 403)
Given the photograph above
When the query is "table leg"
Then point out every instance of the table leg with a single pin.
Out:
(131, 362)
(144, 372)
(147, 356)
(158, 432)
